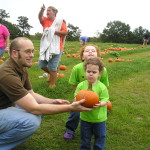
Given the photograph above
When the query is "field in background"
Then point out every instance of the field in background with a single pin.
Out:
(128, 124)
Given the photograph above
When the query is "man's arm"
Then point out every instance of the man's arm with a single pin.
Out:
(29, 103)
(44, 100)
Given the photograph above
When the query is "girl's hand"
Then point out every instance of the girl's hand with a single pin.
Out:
(100, 104)
(97, 105)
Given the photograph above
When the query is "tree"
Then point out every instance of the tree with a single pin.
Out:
(116, 32)
(73, 33)
(23, 25)
(139, 33)
(13, 29)
(36, 36)
(3, 15)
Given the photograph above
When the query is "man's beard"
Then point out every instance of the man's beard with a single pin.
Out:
(23, 64)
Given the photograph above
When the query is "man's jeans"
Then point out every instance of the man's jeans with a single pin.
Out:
(16, 125)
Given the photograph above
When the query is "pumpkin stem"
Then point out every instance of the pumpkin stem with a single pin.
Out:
(89, 86)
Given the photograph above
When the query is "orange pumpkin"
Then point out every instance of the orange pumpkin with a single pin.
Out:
(109, 105)
(110, 60)
(119, 60)
(35, 62)
(2, 57)
(91, 98)
(1, 60)
(62, 67)
(68, 55)
(60, 75)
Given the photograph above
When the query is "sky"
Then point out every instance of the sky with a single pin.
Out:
(89, 15)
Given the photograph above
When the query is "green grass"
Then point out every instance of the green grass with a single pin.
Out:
(128, 124)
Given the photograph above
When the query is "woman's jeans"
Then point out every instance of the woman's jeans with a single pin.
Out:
(72, 123)
(87, 130)
(16, 125)
(2, 52)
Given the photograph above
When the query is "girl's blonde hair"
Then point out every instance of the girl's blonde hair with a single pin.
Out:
(83, 48)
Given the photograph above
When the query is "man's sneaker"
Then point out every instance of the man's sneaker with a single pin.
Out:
(68, 136)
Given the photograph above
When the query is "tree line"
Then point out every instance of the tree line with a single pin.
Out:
(114, 32)
(16, 30)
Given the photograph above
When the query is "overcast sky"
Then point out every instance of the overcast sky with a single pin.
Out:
(89, 15)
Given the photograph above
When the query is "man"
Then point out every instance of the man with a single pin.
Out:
(20, 107)
(145, 39)
(83, 40)
(52, 42)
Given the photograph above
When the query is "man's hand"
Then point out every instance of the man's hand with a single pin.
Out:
(77, 106)
(59, 101)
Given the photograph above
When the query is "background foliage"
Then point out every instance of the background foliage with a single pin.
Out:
(114, 32)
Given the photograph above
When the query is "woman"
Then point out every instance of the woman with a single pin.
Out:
(4, 39)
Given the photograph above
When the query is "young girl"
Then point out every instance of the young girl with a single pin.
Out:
(93, 123)
(78, 75)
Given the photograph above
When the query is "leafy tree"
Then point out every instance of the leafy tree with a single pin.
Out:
(3, 15)
(13, 29)
(116, 32)
(23, 25)
(73, 33)
(139, 33)
(36, 36)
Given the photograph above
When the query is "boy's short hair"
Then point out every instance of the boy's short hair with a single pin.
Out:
(83, 48)
(94, 61)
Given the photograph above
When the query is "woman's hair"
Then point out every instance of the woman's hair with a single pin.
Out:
(83, 48)
(54, 9)
(94, 61)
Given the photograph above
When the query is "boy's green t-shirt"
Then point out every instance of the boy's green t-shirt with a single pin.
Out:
(99, 114)
(78, 75)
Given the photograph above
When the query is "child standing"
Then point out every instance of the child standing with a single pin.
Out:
(93, 123)
(78, 75)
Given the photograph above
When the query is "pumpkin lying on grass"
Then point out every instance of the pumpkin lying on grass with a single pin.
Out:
(109, 105)
(62, 67)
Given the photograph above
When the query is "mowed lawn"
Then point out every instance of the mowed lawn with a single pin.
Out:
(128, 124)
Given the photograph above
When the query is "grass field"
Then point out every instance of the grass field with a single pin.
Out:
(128, 124)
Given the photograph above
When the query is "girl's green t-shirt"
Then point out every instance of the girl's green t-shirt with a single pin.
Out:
(99, 114)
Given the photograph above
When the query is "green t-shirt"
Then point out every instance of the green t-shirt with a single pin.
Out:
(99, 114)
(78, 75)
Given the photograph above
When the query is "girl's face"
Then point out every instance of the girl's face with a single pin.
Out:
(92, 73)
(89, 52)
